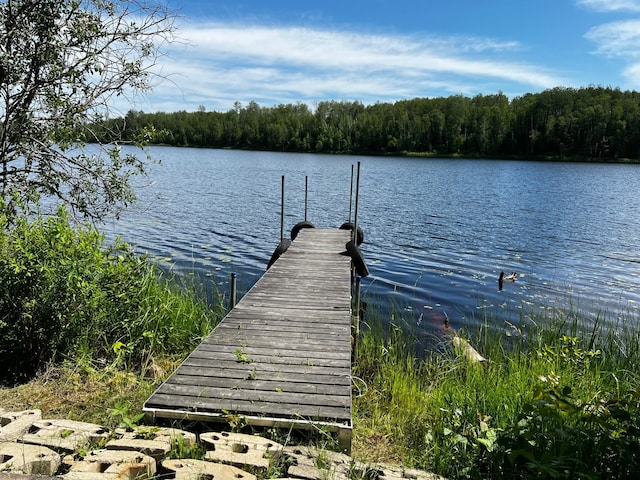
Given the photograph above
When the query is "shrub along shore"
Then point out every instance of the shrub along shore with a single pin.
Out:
(87, 331)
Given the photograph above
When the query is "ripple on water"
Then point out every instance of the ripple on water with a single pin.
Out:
(438, 232)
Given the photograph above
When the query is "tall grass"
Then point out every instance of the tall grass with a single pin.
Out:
(554, 400)
(67, 295)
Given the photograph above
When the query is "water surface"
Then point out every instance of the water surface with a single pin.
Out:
(437, 232)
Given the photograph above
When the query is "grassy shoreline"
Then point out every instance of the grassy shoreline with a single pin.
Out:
(550, 404)
(552, 400)
(431, 154)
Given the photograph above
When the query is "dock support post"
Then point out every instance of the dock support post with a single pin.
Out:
(232, 291)
(354, 233)
(306, 196)
(351, 195)
(355, 318)
(282, 211)
(344, 440)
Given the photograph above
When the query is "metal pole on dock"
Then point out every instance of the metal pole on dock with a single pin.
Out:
(282, 211)
(306, 190)
(351, 194)
(232, 291)
(355, 213)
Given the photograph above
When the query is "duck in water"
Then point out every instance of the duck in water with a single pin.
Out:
(512, 278)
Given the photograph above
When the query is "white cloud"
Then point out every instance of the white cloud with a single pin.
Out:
(320, 49)
(612, 5)
(223, 63)
(617, 39)
(632, 74)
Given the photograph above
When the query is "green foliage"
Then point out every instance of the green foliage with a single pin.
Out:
(557, 436)
(61, 64)
(568, 353)
(586, 123)
(543, 406)
(241, 356)
(65, 294)
(121, 412)
(236, 422)
(181, 449)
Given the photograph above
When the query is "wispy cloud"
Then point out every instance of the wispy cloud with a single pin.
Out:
(617, 39)
(632, 74)
(223, 63)
(620, 39)
(611, 5)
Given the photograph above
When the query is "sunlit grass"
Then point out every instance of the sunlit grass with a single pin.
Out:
(445, 414)
(84, 393)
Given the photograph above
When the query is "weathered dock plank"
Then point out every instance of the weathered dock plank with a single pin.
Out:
(282, 356)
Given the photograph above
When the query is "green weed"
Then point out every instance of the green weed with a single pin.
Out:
(121, 412)
(241, 356)
(181, 449)
(555, 400)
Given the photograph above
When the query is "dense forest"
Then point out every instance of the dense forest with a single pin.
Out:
(587, 123)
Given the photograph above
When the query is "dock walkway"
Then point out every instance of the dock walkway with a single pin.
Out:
(282, 355)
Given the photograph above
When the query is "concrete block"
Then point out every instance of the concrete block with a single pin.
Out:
(397, 472)
(65, 435)
(22, 476)
(152, 441)
(29, 459)
(202, 470)
(112, 464)
(240, 450)
(13, 425)
(317, 464)
(92, 476)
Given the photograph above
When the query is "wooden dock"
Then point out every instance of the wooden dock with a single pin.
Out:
(282, 356)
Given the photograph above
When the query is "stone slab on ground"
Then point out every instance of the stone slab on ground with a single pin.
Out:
(126, 459)
(22, 476)
(315, 464)
(13, 425)
(65, 435)
(104, 464)
(153, 441)
(241, 450)
(395, 472)
(200, 469)
(29, 459)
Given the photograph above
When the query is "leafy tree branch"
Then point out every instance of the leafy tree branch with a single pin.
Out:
(62, 62)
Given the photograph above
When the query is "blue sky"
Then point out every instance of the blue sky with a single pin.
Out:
(286, 51)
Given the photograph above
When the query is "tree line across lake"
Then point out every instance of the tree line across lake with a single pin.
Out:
(588, 123)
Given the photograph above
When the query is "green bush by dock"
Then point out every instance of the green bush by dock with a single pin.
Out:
(66, 295)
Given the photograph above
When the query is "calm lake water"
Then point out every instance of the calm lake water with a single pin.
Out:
(437, 232)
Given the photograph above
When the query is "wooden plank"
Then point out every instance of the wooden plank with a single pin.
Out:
(255, 334)
(241, 407)
(261, 355)
(309, 369)
(242, 374)
(284, 351)
(285, 321)
(275, 347)
(258, 383)
(284, 326)
(287, 399)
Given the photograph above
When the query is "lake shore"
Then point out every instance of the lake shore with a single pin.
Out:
(440, 413)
